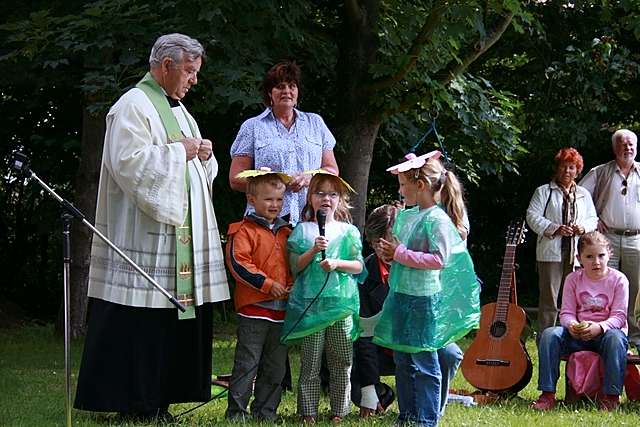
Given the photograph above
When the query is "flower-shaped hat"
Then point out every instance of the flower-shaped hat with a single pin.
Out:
(413, 162)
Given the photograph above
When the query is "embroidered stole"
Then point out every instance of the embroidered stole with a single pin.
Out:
(184, 241)
(569, 216)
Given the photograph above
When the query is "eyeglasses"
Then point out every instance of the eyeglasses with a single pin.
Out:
(624, 187)
(332, 194)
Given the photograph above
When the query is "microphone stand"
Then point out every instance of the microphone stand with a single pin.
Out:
(66, 256)
(20, 164)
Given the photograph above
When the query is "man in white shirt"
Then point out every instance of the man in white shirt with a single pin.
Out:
(615, 188)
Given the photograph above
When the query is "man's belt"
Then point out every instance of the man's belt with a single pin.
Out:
(624, 232)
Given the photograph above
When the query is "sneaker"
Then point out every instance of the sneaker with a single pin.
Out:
(335, 419)
(545, 402)
(308, 419)
(609, 402)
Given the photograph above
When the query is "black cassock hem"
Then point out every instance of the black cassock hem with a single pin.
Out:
(140, 359)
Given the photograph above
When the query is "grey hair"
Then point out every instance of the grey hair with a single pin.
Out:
(623, 132)
(176, 46)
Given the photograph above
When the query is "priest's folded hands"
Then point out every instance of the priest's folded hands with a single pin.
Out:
(191, 147)
(205, 150)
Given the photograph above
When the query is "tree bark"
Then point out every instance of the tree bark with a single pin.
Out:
(360, 136)
(86, 188)
(358, 120)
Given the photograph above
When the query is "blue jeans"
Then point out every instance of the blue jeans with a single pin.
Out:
(449, 358)
(418, 380)
(557, 341)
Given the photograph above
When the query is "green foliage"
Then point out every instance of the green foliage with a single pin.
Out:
(490, 143)
(98, 48)
(105, 45)
(482, 123)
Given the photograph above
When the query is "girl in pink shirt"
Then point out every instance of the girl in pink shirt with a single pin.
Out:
(593, 317)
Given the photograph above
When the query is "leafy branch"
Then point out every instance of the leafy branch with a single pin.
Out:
(423, 37)
(457, 67)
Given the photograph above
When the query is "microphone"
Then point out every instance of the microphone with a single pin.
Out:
(20, 163)
(321, 217)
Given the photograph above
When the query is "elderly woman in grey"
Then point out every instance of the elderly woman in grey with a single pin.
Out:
(284, 139)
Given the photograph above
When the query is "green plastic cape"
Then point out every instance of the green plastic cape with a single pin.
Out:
(338, 300)
(428, 309)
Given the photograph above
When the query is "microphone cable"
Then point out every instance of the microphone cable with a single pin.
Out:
(315, 298)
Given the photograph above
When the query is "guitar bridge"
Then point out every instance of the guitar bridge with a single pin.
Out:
(493, 362)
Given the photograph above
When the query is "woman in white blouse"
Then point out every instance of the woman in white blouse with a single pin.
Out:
(559, 212)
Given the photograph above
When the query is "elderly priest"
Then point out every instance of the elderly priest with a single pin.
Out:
(154, 203)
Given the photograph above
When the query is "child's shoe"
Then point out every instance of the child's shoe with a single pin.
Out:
(546, 401)
(386, 396)
(610, 402)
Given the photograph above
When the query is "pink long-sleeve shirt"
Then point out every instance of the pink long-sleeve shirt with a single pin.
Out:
(417, 259)
(602, 301)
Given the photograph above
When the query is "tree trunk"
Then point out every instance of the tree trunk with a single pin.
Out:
(358, 120)
(361, 137)
(86, 188)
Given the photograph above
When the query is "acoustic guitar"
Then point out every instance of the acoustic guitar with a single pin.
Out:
(497, 360)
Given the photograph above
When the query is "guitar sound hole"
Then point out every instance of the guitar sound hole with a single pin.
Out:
(498, 329)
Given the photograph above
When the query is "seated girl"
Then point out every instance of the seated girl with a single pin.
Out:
(593, 317)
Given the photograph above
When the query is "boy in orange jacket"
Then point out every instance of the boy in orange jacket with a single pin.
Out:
(256, 254)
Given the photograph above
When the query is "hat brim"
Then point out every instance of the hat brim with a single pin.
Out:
(326, 172)
(415, 163)
(252, 173)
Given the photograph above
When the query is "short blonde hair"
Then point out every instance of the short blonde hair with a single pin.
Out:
(271, 179)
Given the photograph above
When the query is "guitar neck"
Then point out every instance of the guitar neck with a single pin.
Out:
(504, 291)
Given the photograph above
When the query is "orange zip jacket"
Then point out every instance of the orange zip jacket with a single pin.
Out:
(257, 257)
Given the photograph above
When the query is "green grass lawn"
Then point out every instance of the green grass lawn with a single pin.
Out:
(32, 392)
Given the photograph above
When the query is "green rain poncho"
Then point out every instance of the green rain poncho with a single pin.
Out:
(428, 309)
(339, 299)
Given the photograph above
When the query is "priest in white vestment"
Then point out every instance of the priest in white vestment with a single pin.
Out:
(157, 175)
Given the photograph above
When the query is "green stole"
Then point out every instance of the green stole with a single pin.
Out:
(184, 241)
